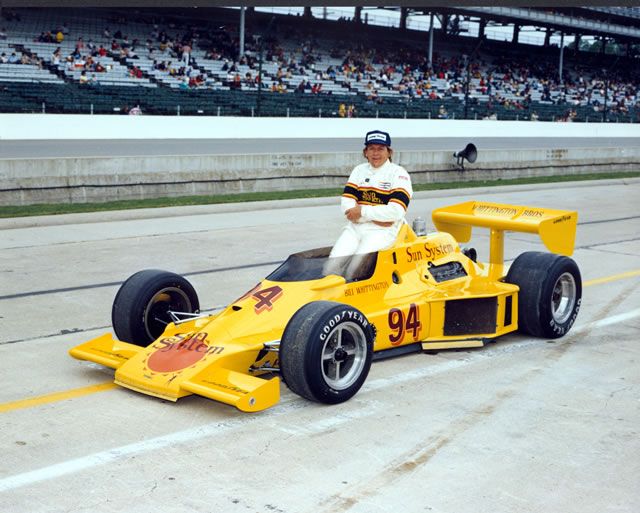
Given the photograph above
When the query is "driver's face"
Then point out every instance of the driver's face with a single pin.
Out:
(376, 154)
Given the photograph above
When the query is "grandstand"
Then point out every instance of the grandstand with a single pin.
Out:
(174, 62)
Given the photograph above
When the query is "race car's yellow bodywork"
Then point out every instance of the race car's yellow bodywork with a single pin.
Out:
(423, 291)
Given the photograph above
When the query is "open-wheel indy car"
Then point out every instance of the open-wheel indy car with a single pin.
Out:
(319, 331)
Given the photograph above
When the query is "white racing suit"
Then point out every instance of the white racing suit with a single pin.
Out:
(384, 194)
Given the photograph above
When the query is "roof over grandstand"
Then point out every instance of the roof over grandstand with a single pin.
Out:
(615, 22)
(265, 3)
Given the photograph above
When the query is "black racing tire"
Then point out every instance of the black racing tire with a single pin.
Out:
(550, 293)
(140, 309)
(326, 351)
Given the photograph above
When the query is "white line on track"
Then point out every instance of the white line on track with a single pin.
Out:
(217, 428)
(615, 319)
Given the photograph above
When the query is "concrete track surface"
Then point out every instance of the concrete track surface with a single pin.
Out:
(523, 425)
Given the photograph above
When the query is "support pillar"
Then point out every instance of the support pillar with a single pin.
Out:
(516, 33)
(483, 25)
(561, 56)
(242, 25)
(403, 17)
(431, 41)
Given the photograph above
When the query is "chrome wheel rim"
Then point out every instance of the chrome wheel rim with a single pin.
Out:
(563, 298)
(344, 355)
(156, 314)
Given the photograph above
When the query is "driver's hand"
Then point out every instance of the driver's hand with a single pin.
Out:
(353, 214)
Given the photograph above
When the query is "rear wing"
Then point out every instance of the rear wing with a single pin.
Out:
(556, 228)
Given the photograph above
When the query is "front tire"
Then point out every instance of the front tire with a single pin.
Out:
(550, 293)
(326, 351)
(141, 307)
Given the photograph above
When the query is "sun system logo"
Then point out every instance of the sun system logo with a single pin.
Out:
(180, 351)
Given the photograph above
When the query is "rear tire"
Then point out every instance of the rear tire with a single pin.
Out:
(326, 351)
(550, 293)
(140, 308)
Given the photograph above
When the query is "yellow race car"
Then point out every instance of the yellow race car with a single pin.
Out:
(319, 333)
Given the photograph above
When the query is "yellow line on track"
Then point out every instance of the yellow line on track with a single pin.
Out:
(79, 392)
(615, 277)
(57, 396)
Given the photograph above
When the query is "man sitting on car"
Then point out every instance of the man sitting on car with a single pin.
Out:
(374, 201)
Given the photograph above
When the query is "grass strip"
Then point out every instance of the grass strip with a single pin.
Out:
(73, 208)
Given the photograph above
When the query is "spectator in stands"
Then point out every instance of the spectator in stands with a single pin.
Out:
(374, 202)
(372, 97)
(3, 33)
(3, 58)
(135, 111)
(13, 58)
(186, 54)
(79, 62)
(442, 113)
(59, 37)
(84, 79)
(45, 37)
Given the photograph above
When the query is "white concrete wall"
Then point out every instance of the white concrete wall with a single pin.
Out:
(80, 179)
(95, 179)
(73, 126)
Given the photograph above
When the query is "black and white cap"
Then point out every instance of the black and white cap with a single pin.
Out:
(377, 137)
